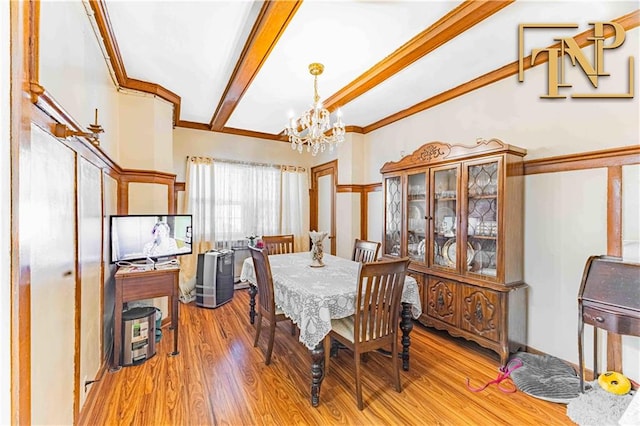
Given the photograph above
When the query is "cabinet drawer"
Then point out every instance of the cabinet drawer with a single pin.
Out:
(442, 300)
(481, 312)
(611, 321)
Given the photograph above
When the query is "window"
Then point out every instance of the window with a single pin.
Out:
(246, 200)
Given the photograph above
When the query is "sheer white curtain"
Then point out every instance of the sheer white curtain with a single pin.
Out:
(199, 203)
(295, 206)
(246, 200)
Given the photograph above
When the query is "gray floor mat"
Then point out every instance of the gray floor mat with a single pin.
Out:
(546, 377)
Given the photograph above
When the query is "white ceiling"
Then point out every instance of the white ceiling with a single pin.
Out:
(192, 48)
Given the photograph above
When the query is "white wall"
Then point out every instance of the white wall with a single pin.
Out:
(565, 213)
(73, 70)
(565, 223)
(5, 218)
(631, 253)
(631, 213)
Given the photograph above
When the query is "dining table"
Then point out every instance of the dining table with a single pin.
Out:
(312, 296)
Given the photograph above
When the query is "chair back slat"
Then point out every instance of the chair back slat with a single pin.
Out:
(365, 251)
(380, 287)
(278, 244)
(264, 279)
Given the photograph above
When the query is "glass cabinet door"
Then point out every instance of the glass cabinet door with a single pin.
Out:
(416, 217)
(445, 196)
(482, 218)
(393, 221)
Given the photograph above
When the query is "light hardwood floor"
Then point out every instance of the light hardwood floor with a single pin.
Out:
(219, 378)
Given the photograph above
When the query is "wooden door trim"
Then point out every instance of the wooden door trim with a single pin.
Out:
(621, 156)
(23, 28)
(363, 190)
(331, 169)
(614, 248)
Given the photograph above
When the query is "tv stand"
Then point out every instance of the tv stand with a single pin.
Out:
(135, 284)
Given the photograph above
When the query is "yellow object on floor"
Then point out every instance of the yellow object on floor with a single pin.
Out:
(615, 383)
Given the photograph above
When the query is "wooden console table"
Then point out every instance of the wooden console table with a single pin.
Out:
(132, 284)
(609, 299)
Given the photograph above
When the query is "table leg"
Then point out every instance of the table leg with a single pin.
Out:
(252, 302)
(406, 325)
(174, 324)
(317, 372)
(581, 350)
(117, 334)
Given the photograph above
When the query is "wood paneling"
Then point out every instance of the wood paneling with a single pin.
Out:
(614, 248)
(220, 378)
(127, 176)
(585, 160)
(363, 190)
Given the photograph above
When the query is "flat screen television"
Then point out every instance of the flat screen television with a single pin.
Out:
(150, 237)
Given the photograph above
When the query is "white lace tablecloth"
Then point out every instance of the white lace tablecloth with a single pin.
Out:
(311, 297)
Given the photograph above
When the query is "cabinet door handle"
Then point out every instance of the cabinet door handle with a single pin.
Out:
(67, 273)
(599, 319)
(428, 217)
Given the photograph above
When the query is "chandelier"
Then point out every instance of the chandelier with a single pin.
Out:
(312, 126)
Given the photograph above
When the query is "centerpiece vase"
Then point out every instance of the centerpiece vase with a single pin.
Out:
(316, 248)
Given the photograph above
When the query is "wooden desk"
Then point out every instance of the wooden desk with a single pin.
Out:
(133, 285)
(609, 299)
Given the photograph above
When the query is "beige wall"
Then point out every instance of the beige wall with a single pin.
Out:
(348, 222)
(351, 168)
(514, 112)
(190, 142)
(565, 213)
(5, 217)
(145, 132)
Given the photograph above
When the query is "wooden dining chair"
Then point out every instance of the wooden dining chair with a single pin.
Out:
(375, 322)
(365, 251)
(266, 302)
(278, 244)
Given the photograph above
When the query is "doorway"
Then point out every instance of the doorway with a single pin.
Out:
(323, 200)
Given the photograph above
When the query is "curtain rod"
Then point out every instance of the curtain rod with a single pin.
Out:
(250, 163)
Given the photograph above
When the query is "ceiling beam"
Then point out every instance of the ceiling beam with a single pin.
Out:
(273, 19)
(628, 22)
(451, 25)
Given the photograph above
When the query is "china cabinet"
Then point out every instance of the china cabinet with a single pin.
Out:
(456, 211)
